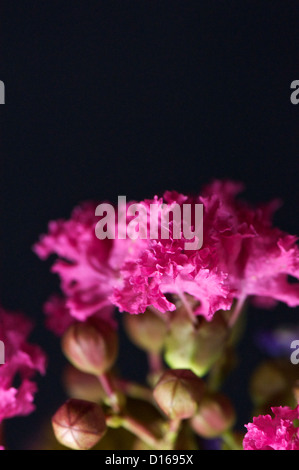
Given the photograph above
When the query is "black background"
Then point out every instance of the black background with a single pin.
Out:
(105, 98)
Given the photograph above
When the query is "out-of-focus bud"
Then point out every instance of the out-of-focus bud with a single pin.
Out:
(195, 347)
(186, 438)
(296, 391)
(266, 382)
(147, 331)
(272, 382)
(178, 393)
(79, 424)
(215, 416)
(91, 347)
(82, 386)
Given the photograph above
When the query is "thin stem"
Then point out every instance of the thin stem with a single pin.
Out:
(138, 429)
(155, 363)
(187, 306)
(135, 390)
(172, 435)
(237, 312)
(230, 440)
(109, 390)
(141, 432)
(163, 316)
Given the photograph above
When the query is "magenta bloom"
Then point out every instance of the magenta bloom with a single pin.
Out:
(22, 362)
(243, 256)
(164, 267)
(257, 256)
(89, 268)
(280, 432)
(83, 263)
(58, 318)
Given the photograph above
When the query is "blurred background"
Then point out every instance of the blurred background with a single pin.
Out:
(133, 98)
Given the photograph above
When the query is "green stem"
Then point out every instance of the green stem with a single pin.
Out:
(109, 389)
(138, 429)
(155, 363)
(173, 431)
(231, 441)
(135, 390)
(143, 433)
(237, 312)
(162, 316)
(187, 306)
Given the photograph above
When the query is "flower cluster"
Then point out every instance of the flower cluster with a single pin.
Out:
(242, 256)
(181, 305)
(22, 361)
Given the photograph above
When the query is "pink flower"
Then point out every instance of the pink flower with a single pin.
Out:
(243, 256)
(165, 268)
(89, 268)
(59, 318)
(280, 432)
(22, 361)
(257, 256)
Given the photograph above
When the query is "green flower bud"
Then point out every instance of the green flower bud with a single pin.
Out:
(79, 424)
(271, 384)
(178, 393)
(215, 416)
(147, 331)
(91, 347)
(195, 347)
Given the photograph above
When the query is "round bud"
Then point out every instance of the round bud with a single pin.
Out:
(215, 415)
(91, 347)
(195, 347)
(79, 424)
(147, 331)
(178, 393)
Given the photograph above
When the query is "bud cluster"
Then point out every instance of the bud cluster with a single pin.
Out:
(99, 399)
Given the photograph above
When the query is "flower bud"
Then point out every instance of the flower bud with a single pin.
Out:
(215, 415)
(79, 424)
(147, 331)
(267, 382)
(82, 386)
(296, 391)
(195, 347)
(91, 347)
(178, 393)
(271, 385)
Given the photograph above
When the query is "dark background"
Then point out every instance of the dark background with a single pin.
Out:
(105, 98)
